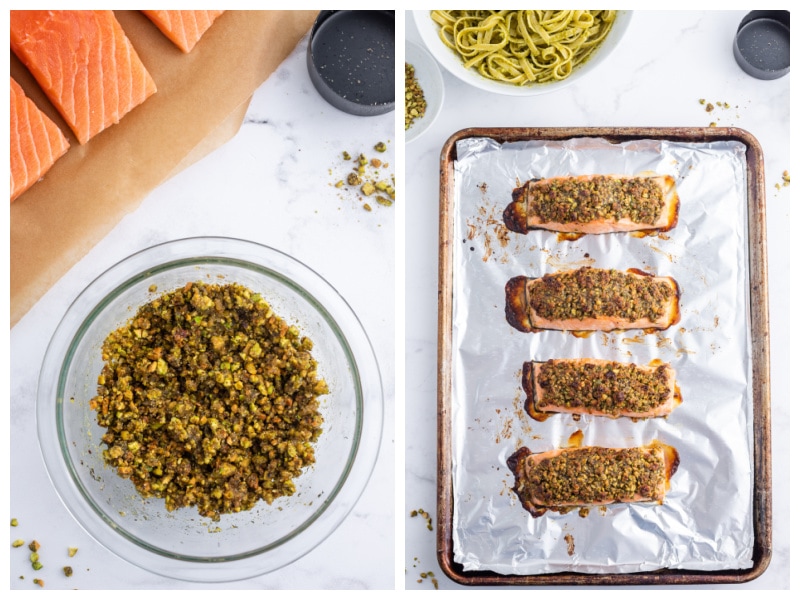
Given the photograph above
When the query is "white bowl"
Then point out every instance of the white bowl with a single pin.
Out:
(430, 80)
(429, 30)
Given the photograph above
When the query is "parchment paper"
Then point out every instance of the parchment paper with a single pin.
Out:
(201, 101)
(705, 522)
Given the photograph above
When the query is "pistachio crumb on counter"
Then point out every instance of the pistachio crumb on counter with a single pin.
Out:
(367, 176)
(39, 582)
(17, 543)
(68, 571)
(424, 515)
(71, 551)
(14, 522)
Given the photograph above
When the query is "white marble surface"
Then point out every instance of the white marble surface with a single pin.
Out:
(665, 64)
(273, 184)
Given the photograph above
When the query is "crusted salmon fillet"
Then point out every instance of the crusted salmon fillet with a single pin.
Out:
(599, 387)
(591, 476)
(184, 28)
(589, 299)
(594, 204)
(36, 143)
(84, 62)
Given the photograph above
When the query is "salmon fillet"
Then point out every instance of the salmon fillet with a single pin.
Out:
(594, 204)
(588, 299)
(36, 142)
(599, 387)
(184, 28)
(84, 62)
(566, 478)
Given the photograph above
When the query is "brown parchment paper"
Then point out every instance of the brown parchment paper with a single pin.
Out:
(201, 101)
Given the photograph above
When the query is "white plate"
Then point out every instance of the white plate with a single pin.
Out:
(427, 72)
(429, 31)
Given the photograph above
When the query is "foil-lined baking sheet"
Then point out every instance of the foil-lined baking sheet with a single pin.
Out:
(706, 520)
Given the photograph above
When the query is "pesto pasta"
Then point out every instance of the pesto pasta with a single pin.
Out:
(523, 47)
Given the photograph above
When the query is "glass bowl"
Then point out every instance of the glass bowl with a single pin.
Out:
(181, 544)
(451, 61)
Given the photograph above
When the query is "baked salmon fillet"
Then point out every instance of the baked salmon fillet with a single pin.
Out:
(36, 143)
(594, 204)
(184, 28)
(590, 386)
(568, 478)
(84, 62)
(589, 299)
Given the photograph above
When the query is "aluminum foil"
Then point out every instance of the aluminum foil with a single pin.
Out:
(705, 522)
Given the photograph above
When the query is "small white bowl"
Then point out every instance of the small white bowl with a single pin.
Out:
(430, 80)
(429, 30)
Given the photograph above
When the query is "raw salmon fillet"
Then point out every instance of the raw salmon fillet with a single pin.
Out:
(85, 64)
(184, 28)
(36, 142)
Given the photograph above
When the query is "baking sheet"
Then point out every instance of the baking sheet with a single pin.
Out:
(707, 521)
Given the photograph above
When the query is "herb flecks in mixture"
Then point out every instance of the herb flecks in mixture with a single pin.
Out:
(597, 293)
(610, 387)
(209, 399)
(583, 200)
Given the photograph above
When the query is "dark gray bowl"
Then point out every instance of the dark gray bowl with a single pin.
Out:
(350, 60)
(761, 45)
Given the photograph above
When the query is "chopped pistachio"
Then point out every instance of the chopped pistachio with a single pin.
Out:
(17, 543)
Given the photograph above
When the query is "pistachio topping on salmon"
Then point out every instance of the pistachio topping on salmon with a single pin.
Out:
(592, 475)
(592, 299)
(594, 204)
(600, 387)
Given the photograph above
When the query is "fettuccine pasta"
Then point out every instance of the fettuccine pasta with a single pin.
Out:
(522, 47)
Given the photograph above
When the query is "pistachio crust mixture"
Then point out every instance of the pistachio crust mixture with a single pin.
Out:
(596, 293)
(607, 387)
(209, 400)
(594, 204)
(582, 200)
(591, 475)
